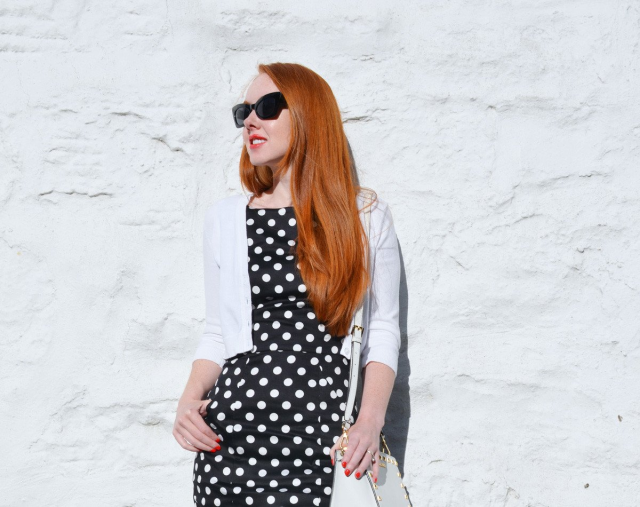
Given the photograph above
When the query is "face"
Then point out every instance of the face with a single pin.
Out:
(275, 131)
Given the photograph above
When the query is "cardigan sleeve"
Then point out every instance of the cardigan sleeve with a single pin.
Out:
(383, 343)
(211, 345)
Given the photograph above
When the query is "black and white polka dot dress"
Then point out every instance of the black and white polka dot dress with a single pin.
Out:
(277, 408)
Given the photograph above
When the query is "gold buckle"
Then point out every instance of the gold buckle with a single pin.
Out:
(384, 443)
(344, 438)
(355, 326)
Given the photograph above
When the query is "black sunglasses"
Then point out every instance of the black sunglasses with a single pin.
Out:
(266, 107)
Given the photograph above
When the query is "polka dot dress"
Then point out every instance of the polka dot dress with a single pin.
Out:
(277, 408)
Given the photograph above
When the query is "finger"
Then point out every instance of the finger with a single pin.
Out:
(365, 464)
(205, 429)
(375, 470)
(332, 453)
(334, 448)
(184, 444)
(203, 406)
(182, 441)
(354, 462)
(188, 441)
(351, 446)
(195, 435)
(372, 463)
(199, 422)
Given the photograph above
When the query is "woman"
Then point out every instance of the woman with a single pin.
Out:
(285, 270)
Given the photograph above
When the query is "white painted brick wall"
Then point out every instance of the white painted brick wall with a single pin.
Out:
(505, 136)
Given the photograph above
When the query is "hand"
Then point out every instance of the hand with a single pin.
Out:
(190, 429)
(364, 435)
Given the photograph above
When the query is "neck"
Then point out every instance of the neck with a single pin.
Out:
(279, 195)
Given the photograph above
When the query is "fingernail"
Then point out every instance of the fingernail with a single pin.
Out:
(375, 480)
(218, 439)
(218, 448)
(357, 475)
(332, 463)
(213, 450)
(346, 472)
(344, 464)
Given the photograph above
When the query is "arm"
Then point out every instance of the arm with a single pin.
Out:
(383, 340)
(379, 354)
(377, 384)
(203, 377)
(189, 425)
(211, 346)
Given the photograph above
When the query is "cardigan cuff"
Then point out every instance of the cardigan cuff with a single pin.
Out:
(210, 348)
(385, 352)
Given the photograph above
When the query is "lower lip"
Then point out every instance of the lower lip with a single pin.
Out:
(255, 146)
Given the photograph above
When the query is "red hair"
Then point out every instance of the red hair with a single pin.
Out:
(331, 251)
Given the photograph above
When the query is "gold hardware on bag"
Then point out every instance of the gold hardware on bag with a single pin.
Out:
(344, 438)
(355, 326)
(384, 443)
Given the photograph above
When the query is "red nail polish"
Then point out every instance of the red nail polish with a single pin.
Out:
(213, 450)
(357, 475)
(218, 448)
(375, 480)
(346, 472)
(332, 462)
(218, 439)
(344, 464)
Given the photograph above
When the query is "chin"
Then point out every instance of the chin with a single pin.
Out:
(257, 161)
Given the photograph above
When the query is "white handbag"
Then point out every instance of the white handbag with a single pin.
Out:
(389, 490)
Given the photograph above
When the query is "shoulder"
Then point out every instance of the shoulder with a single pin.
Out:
(224, 207)
(380, 210)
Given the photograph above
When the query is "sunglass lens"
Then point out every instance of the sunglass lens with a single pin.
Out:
(267, 107)
(240, 114)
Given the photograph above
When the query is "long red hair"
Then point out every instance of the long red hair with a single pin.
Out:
(331, 251)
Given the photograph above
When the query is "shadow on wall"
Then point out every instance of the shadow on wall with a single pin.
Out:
(396, 428)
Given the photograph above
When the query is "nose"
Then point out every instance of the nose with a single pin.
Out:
(251, 120)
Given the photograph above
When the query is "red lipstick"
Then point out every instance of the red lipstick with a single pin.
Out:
(257, 145)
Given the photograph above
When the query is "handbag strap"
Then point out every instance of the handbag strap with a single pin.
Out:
(356, 339)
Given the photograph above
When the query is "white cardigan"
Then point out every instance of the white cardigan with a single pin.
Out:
(227, 329)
